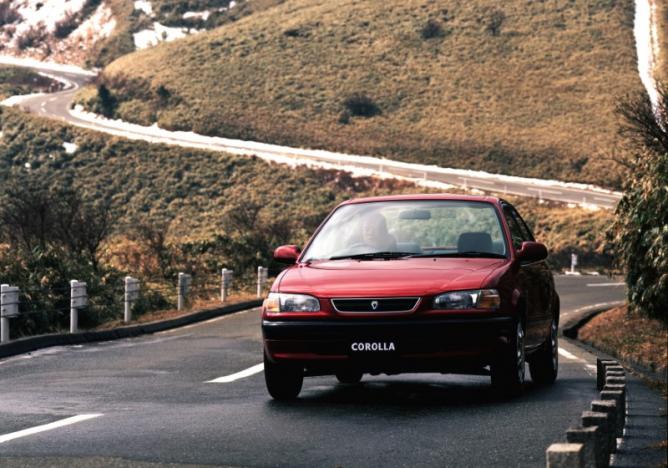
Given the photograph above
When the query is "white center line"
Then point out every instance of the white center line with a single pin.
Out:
(47, 427)
(239, 375)
(598, 285)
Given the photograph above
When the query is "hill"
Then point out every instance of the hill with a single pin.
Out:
(525, 88)
(228, 210)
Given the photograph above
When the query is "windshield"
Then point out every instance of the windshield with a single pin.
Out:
(395, 229)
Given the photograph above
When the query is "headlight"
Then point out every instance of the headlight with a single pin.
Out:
(478, 299)
(279, 302)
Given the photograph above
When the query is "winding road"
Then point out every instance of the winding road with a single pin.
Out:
(58, 106)
(152, 400)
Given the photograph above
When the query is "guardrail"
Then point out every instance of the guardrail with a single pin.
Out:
(185, 291)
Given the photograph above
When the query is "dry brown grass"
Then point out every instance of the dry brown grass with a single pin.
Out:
(535, 99)
(629, 337)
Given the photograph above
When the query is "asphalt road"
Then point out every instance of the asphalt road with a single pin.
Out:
(149, 400)
(57, 105)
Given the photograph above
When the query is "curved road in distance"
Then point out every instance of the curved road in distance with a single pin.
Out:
(149, 399)
(57, 105)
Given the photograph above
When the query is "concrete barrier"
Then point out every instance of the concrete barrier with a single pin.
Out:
(565, 456)
(602, 420)
(592, 444)
(610, 408)
(591, 439)
(601, 365)
(618, 397)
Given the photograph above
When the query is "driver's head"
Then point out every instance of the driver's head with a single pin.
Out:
(374, 230)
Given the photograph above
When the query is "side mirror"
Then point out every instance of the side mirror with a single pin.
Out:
(287, 253)
(531, 252)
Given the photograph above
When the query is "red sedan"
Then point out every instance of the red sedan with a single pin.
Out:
(417, 283)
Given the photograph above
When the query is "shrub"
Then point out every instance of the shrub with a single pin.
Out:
(494, 22)
(641, 228)
(361, 105)
(432, 29)
(65, 26)
(32, 37)
(8, 13)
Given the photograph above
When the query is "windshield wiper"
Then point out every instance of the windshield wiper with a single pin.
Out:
(467, 254)
(372, 255)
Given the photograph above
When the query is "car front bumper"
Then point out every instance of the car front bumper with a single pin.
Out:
(417, 345)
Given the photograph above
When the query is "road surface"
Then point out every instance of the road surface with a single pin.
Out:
(57, 105)
(150, 400)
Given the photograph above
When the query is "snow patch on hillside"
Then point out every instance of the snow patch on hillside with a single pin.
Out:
(646, 34)
(204, 15)
(144, 6)
(159, 33)
(31, 30)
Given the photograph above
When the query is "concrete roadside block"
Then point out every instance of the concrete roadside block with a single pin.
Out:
(610, 408)
(601, 365)
(615, 380)
(618, 397)
(565, 456)
(589, 438)
(616, 368)
(593, 418)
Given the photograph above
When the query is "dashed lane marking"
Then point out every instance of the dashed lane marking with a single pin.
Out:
(47, 427)
(239, 375)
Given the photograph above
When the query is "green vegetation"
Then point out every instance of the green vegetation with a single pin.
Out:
(16, 80)
(641, 229)
(523, 88)
(168, 209)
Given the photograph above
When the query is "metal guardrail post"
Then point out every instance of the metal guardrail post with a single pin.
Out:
(225, 283)
(9, 308)
(131, 295)
(184, 284)
(262, 274)
(78, 300)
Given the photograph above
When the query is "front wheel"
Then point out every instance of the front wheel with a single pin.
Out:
(284, 381)
(544, 365)
(508, 369)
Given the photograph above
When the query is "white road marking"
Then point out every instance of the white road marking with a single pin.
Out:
(239, 375)
(609, 200)
(47, 427)
(216, 319)
(568, 355)
(556, 192)
(598, 285)
(591, 366)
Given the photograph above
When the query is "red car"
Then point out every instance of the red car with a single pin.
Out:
(413, 283)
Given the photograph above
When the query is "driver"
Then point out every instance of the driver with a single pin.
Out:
(375, 234)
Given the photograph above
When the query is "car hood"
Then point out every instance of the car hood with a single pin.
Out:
(387, 278)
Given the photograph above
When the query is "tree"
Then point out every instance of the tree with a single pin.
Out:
(641, 229)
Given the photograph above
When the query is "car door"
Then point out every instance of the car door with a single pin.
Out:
(544, 283)
(529, 278)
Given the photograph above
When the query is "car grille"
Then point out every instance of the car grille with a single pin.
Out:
(394, 304)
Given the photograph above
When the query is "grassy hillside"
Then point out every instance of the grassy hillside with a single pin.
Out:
(517, 87)
(214, 205)
(15, 81)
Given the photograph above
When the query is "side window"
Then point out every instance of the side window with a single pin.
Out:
(526, 232)
(515, 231)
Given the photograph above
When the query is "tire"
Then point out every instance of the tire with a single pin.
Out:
(508, 371)
(284, 382)
(349, 376)
(544, 364)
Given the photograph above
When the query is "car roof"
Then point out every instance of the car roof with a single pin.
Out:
(425, 196)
